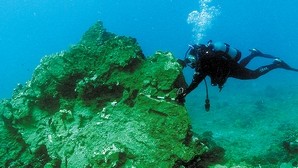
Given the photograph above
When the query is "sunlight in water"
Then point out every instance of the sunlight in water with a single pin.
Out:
(201, 20)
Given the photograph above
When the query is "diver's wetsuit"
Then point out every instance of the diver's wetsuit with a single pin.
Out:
(220, 68)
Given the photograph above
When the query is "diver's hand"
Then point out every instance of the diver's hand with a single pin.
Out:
(181, 95)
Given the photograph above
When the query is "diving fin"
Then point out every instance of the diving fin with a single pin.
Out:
(255, 52)
(284, 65)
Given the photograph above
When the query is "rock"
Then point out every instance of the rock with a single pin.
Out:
(99, 104)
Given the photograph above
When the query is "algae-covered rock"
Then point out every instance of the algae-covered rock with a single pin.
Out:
(99, 104)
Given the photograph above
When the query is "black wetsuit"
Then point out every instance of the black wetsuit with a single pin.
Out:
(219, 68)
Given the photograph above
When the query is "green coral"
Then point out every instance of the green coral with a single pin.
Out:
(99, 104)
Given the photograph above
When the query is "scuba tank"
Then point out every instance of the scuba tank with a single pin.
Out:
(225, 50)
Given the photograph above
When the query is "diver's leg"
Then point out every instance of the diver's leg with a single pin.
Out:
(254, 53)
(246, 60)
(241, 72)
(244, 73)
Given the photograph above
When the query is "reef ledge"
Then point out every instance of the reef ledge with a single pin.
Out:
(101, 103)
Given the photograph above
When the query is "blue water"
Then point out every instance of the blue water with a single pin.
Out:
(31, 29)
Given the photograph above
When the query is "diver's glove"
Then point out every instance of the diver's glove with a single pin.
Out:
(181, 95)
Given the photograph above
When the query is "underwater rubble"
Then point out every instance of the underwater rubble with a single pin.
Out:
(101, 103)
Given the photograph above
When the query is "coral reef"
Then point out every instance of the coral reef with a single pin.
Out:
(99, 104)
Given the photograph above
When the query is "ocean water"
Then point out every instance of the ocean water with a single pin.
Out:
(249, 118)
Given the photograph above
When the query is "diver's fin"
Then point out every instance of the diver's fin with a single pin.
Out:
(284, 65)
(268, 56)
(255, 52)
(293, 69)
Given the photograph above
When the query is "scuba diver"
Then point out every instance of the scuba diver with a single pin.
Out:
(219, 61)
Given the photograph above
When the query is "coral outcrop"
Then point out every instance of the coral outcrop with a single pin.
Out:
(99, 104)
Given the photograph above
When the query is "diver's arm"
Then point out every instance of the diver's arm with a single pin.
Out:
(181, 93)
(196, 80)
